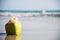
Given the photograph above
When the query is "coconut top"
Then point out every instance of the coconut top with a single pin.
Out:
(13, 20)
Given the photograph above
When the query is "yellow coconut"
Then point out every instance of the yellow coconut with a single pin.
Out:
(13, 27)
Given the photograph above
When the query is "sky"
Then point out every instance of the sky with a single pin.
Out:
(29, 4)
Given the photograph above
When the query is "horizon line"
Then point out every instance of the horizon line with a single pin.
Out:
(29, 11)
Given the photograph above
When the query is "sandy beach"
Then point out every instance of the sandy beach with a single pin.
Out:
(35, 28)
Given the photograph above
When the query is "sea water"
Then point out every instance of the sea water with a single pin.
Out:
(35, 27)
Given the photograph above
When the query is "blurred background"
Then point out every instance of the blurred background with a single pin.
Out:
(40, 19)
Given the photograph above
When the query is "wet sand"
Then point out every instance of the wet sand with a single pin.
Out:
(34, 28)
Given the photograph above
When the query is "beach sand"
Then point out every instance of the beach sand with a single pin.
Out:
(35, 28)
